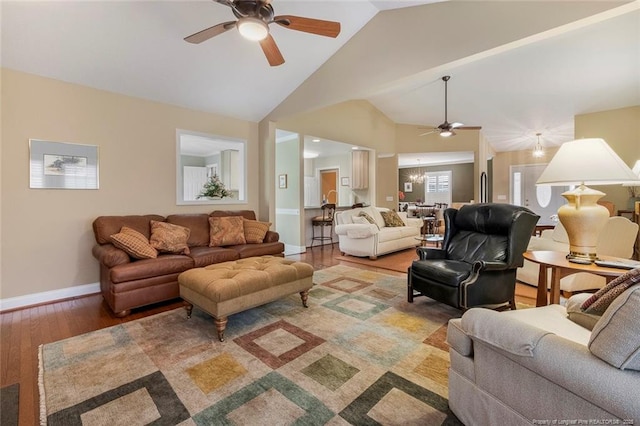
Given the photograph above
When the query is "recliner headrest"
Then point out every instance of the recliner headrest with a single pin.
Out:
(490, 218)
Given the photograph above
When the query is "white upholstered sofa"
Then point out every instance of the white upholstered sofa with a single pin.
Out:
(372, 240)
(536, 366)
(616, 239)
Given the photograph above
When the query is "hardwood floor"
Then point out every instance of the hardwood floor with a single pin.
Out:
(24, 330)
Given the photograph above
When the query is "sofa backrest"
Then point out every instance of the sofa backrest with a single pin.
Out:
(247, 214)
(105, 226)
(198, 224)
(346, 216)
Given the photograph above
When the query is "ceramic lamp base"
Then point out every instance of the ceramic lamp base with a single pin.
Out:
(584, 219)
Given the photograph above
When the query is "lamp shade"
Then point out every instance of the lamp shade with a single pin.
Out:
(586, 161)
(636, 171)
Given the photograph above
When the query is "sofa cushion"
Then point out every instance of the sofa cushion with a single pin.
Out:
(134, 244)
(252, 250)
(615, 337)
(601, 299)
(164, 264)
(205, 256)
(360, 220)
(254, 231)
(368, 218)
(226, 231)
(169, 238)
(198, 224)
(391, 218)
(577, 314)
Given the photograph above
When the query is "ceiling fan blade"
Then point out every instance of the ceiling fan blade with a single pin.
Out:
(456, 124)
(309, 25)
(429, 132)
(210, 32)
(271, 51)
(469, 128)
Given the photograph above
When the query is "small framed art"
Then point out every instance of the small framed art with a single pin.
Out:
(408, 187)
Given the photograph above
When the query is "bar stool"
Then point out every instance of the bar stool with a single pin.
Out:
(328, 210)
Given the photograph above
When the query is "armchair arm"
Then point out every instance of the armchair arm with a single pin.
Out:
(484, 265)
(109, 255)
(430, 253)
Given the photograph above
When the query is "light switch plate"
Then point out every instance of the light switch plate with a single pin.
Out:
(502, 198)
(390, 198)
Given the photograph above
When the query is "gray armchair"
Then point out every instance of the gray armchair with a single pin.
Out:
(481, 251)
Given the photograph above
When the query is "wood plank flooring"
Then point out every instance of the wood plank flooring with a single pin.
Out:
(23, 331)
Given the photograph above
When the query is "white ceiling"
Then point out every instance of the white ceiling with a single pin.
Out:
(137, 48)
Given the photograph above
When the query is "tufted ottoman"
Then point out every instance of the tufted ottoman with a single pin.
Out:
(226, 288)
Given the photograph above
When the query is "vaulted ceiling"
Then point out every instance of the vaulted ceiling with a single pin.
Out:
(516, 68)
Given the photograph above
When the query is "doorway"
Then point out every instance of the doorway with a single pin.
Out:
(329, 185)
(543, 200)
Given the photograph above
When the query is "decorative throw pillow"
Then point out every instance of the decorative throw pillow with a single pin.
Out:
(391, 218)
(577, 315)
(600, 301)
(169, 237)
(360, 220)
(615, 338)
(226, 231)
(254, 231)
(134, 244)
(368, 218)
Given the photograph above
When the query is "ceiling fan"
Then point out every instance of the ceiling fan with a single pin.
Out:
(446, 129)
(254, 18)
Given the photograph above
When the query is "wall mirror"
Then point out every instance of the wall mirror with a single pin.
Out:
(201, 158)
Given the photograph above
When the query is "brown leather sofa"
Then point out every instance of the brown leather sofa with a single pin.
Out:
(128, 283)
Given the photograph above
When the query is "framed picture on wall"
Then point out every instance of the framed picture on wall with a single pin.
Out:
(62, 165)
(282, 181)
(344, 181)
(408, 187)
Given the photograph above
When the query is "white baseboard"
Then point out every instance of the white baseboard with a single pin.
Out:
(48, 296)
(291, 249)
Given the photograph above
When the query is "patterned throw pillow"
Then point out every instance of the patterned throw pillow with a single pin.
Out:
(391, 218)
(169, 238)
(369, 218)
(134, 244)
(600, 301)
(254, 231)
(226, 231)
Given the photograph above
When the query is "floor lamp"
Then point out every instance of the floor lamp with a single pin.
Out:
(582, 162)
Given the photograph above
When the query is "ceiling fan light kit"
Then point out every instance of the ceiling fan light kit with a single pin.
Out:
(252, 29)
(446, 128)
(254, 18)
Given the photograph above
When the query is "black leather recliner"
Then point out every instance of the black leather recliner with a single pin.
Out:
(476, 266)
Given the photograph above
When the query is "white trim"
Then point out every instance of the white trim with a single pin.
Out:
(291, 249)
(48, 296)
(293, 212)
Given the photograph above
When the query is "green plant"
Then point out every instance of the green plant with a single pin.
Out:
(214, 188)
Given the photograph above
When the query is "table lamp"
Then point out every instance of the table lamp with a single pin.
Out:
(580, 162)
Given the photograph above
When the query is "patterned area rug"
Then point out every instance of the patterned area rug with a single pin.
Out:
(360, 354)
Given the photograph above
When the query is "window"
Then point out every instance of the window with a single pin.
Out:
(438, 187)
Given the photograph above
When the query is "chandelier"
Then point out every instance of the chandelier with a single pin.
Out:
(537, 150)
(417, 176)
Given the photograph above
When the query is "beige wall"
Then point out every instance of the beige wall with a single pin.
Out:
(354, 122)
(49, 231)
(621, 129)
(502, 161)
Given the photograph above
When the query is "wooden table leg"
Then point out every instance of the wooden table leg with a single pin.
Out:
(555, 286)
(541, 296)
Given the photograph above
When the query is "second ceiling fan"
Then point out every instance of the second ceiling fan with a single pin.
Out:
(446, 129)
(254, 18)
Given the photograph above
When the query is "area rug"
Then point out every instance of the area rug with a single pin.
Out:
(360, 354)
(398, 261)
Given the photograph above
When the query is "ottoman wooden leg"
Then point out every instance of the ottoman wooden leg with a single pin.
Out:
(221, 324)
(189, 307)
(304, 295)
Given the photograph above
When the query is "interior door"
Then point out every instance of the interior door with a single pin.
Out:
(544, 200)
(328, 181)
